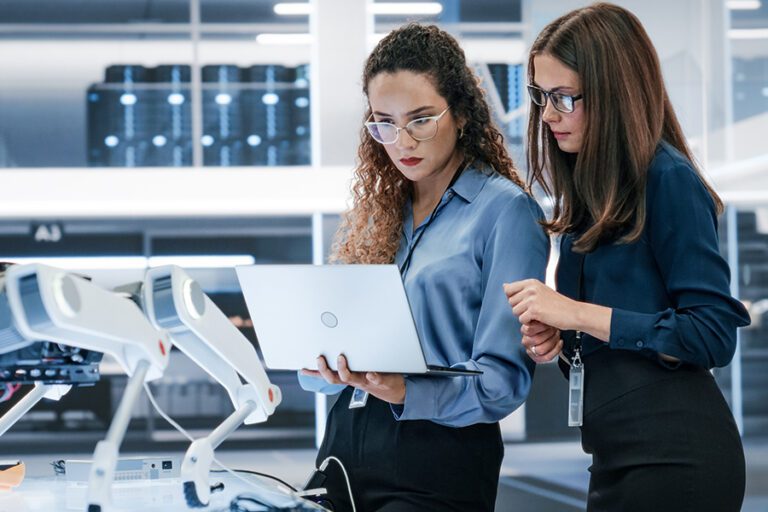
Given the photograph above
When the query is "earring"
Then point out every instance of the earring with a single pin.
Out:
(461, 132)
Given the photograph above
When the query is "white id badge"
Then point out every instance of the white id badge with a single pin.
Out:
(359, 398)
(576, 393)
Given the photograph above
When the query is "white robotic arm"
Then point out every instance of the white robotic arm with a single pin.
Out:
(45, 303)
(175, 302)
(51, 304)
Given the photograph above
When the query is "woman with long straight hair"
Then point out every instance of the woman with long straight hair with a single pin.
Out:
(436, 193)
(642, 296)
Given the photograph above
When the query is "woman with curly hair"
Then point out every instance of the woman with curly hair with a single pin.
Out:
(436, 193)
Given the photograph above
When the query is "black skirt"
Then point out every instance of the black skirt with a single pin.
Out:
(660, 439)
(410, 465)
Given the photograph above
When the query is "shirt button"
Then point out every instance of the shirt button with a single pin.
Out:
(621, 342)
(639, 344)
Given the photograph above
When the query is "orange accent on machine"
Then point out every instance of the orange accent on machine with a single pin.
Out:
(11, 474)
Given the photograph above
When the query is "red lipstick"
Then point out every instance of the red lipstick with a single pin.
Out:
(410, 162)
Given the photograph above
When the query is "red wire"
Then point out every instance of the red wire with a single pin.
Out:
(10, 389)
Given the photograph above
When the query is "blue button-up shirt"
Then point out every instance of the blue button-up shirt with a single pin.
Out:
(485, 233)
(669, 290)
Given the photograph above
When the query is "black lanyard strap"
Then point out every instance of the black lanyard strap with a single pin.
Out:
(581, 293)
(407, 261)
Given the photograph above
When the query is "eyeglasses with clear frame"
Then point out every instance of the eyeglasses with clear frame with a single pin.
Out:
(420, 129)
(562, 102)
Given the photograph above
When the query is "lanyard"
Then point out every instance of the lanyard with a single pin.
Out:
(576, 373)
(407, 261)
(580, 298)
(409, 255)
(360, 397)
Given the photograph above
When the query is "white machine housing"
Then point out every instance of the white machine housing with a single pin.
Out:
(55, 305)
(173, 301)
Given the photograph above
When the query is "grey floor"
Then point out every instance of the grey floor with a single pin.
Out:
(540, 477)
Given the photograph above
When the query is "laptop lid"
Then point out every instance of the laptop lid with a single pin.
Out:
(302, 311)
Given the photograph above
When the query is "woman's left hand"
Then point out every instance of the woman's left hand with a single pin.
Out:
(533, 301)
(542, 342)
(389, 387)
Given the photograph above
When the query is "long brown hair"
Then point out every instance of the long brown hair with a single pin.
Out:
(370, 232)
(627, 114)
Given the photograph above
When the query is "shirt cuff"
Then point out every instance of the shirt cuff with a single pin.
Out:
(420, 401)
(630, 330)
(319, 385)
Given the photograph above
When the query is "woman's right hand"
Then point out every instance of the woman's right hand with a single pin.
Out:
(388, 387)
(542, 342)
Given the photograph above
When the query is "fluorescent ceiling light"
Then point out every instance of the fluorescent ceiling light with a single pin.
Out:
(394, 8)
(385, 8)
(743, 5)
(292, 9)
(202, 261)
(136, 262)
(269, 38)
(748, 33)
(85, 263)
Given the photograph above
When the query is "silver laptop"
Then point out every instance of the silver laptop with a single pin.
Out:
(300, 312)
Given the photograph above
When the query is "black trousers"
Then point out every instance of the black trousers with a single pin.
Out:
(661, 440)
(403, 466)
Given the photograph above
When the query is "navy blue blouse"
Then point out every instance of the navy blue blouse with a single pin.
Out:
(669, 291)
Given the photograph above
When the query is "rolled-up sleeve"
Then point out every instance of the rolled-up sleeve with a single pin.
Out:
(700, 327)
(516, 249)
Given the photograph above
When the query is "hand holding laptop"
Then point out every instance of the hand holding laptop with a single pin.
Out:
(389, 387)
(302, 311)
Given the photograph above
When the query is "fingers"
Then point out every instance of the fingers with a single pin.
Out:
(519, 309)
(535, 328)
(325, 372)
(552, 354)
(512, 289)
(543, 337)
(349, 377)
(548, 356)
(543, 348)
(389, 387)
(365, 381)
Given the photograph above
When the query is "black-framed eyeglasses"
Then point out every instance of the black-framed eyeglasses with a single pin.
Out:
(420, 129)
(562, 102)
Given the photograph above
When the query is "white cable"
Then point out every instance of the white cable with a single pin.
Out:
(165, 416)
(188, 436)
(324, 465)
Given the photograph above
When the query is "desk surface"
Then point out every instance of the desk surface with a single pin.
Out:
(54, 494)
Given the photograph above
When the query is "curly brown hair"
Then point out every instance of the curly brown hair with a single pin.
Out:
(370, 231)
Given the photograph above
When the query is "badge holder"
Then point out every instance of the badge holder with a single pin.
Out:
(576, 375)
(576, 391)
(359, 398)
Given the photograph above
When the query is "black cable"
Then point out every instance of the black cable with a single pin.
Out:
(250, 472)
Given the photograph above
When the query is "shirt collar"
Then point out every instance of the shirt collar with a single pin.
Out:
(471, 181)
